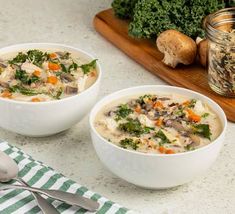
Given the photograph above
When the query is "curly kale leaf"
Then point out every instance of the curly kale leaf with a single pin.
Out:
(123, 111)
(124, 8)
(160, 134)
(134, 127)
(20, 58)
(23, 90)
(203, 130)
(151, 17)
(25, 78)
(37, 57)
(129, 143)
(86, 68)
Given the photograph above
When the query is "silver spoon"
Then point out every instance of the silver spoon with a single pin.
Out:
(9, 170)
(46, 207)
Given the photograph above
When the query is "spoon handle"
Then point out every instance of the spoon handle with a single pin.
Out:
(69, 198)
(44, 205)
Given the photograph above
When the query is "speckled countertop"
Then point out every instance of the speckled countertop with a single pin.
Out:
(71, 153)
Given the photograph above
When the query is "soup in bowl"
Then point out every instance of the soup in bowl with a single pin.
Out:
(38, 75)
(157, 136)
(46, 88)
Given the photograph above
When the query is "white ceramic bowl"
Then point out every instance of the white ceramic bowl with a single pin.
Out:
(156, 171)
(47, 118)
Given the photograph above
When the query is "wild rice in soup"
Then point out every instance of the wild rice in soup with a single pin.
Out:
(152, 123)
(44, 75)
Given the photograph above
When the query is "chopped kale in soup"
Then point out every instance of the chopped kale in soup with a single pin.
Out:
(165, 124)
(37, 75)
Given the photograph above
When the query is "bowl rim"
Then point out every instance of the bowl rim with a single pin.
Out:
(92, 117)
(21, 45)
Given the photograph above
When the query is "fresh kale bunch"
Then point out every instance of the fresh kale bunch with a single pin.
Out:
(124, 8)
(151, 17)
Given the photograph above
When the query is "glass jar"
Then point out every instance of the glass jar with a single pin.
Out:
(220, 32)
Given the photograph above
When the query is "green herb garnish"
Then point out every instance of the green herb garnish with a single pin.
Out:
(37, 57)
(205, 115)
(122, 112)
(34, 56)
(73, 66)
(162, 136)
(30, 92)
(179, 112)
(64, 69)
(23, 90)
(148, 129)
(86, 68)
(143, 99)
(192, 103)
(203, 130)
(134, 127)
(20, 58)
(58, 73)
(189, 147)
(128, 142)
(25, 78)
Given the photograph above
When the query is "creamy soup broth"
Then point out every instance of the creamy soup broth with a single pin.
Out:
(43, 75)
(162, 124)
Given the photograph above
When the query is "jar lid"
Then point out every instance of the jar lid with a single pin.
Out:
(220, 25)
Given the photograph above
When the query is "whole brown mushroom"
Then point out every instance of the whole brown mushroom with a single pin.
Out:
(202, 47)
(177, 48)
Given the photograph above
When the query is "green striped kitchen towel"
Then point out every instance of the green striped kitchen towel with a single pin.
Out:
(37, 174)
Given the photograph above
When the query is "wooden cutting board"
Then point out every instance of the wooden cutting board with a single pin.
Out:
(145, 53)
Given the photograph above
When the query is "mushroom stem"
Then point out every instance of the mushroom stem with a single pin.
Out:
(177, 48)
(168, 60)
